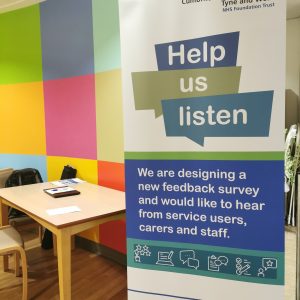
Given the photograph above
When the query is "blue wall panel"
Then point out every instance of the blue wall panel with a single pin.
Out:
(16, 161)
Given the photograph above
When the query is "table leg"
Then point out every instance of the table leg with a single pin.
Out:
(3, 222)
(17, 264)
(64, 263)
(55, 244)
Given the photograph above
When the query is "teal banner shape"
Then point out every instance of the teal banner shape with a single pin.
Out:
(262, 267)
(235, 115)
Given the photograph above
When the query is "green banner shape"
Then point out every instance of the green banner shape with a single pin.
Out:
(148, 258)
(205, 155)
(151, 87)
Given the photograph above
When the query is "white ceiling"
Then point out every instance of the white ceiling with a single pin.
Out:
(293, 6)
(7, 5)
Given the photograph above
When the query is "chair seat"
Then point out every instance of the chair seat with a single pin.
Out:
(25, 220)
(11, 243)
(9, 238)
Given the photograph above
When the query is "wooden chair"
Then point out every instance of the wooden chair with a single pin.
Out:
(4, 174)
(24, 222)
(12, 243)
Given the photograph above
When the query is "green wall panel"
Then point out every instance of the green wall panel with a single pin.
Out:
(106, 35)
(20, 50)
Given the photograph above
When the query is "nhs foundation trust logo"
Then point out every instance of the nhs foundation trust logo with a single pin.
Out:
(196, 90)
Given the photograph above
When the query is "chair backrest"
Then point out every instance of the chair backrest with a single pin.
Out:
(24, 177)
(4, 174)
(68, 172)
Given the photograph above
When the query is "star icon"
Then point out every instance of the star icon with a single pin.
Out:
(269, 263)
(146, 248)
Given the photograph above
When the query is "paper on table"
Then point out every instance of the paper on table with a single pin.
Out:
(65, 182)
(57, 183)
(59, 190)
(62, 210)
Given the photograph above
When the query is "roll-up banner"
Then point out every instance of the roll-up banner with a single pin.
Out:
(203, 89)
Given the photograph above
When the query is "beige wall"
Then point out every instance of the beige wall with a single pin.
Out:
(293, 56)
(292, 100)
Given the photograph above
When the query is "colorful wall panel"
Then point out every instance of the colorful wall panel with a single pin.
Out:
(17, 161)
(22, 122)
(109, 116)
(70, 117)
(67, 38)
(86, 168)
(60, 92)
(20, 51)
(111, 175)
(110, 234)
(106, 35)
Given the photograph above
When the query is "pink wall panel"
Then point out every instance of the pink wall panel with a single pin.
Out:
(71, 117)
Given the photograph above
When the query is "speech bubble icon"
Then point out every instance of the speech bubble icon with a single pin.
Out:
(223, 260)
(269, 263)
(186, 254)
(193, 263)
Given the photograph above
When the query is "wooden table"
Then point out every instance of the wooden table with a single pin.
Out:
(95, 202)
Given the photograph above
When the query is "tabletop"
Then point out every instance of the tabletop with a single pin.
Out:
(94, 202)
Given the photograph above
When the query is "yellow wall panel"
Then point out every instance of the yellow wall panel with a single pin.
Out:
(22, 119)
(110, 143)
(91, 234)
(86, 169)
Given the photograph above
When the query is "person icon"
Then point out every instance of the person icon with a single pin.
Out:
(239, 263)
(261, 272)
(238, 266)
(137, 258)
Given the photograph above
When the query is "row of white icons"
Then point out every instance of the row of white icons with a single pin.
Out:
(188, 257)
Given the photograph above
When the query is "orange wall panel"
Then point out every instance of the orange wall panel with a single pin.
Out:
(111, 175)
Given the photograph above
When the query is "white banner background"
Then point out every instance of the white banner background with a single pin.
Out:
(261, 54)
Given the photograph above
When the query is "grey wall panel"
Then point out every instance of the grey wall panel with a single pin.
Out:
(67, 38)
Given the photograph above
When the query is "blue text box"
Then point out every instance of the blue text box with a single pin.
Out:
(205, 52)
(237, 115)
